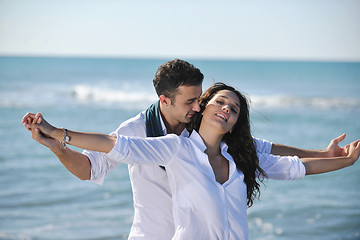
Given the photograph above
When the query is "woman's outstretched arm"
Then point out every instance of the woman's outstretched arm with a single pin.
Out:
(323, 165)
(292, 167)
(332, 150)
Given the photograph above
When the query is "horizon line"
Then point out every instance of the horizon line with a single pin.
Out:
(194, 58)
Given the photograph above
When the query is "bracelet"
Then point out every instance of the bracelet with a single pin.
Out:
(66, 138)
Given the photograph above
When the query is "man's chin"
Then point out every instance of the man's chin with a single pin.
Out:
(187, 119)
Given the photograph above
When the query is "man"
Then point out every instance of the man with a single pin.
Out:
(178, 85)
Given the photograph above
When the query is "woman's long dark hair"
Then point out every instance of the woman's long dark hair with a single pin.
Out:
(241, 145)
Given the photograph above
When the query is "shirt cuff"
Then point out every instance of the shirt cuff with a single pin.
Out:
(298, 169)
(118, 151)
(95, 167)
(99, 180)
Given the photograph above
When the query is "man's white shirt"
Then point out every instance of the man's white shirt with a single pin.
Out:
(153, 218)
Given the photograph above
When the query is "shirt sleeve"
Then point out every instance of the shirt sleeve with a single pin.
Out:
(281, 167)
(262, 145)
(100, 166)
(152, 150)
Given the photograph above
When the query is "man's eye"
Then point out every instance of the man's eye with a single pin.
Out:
(219, 102)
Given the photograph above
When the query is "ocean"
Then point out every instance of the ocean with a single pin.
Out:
(302, 104)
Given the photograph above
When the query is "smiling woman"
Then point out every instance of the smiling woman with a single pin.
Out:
(235, 131)
(225, 106)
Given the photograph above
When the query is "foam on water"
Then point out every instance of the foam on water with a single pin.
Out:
(85, 94)
(50, 96)
(288, 101)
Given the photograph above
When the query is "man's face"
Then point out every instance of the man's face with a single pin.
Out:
(186, 103)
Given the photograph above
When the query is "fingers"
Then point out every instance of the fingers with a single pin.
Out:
(340, 138)
(355, 143)
(37, 118)
(354, 146)
(30, 126)
(346, 149)
(33, 126)
(30, 118)
(28, 115)
(36, 135)
(28, 121)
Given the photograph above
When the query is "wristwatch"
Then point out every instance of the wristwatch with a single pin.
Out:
(66, 138)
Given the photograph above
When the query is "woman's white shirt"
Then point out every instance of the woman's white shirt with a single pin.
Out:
(202, 207)
(153, 218)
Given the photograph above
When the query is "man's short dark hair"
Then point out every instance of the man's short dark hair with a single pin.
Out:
(173, 74)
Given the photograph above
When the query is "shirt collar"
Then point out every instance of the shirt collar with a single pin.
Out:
(162, 123)
(199, 143)
(232, 165)
(224, 147)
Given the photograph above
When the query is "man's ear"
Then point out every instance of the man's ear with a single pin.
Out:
(164, 100)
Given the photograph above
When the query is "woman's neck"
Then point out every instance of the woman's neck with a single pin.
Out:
(218, 162)
(212, 140)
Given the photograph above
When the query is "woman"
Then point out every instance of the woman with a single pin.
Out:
(213, 174)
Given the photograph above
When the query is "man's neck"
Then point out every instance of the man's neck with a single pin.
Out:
(175, 127)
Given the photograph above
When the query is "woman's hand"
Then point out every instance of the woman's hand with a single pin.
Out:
(353, 151)
(334, 150)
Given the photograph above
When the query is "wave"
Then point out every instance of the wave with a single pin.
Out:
(99, 96)
(286, 101)
(75, 96)
(88, 94)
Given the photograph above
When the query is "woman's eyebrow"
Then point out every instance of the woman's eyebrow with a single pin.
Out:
(228, 98)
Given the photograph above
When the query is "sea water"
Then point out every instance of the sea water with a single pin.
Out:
(302, 104)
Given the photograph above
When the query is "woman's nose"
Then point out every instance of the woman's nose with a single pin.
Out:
(226, 108)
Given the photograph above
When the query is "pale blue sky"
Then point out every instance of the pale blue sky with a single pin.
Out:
(266, 29)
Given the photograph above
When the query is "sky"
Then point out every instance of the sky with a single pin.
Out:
(319, 30)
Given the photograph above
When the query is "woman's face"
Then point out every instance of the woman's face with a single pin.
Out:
(222, 111)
